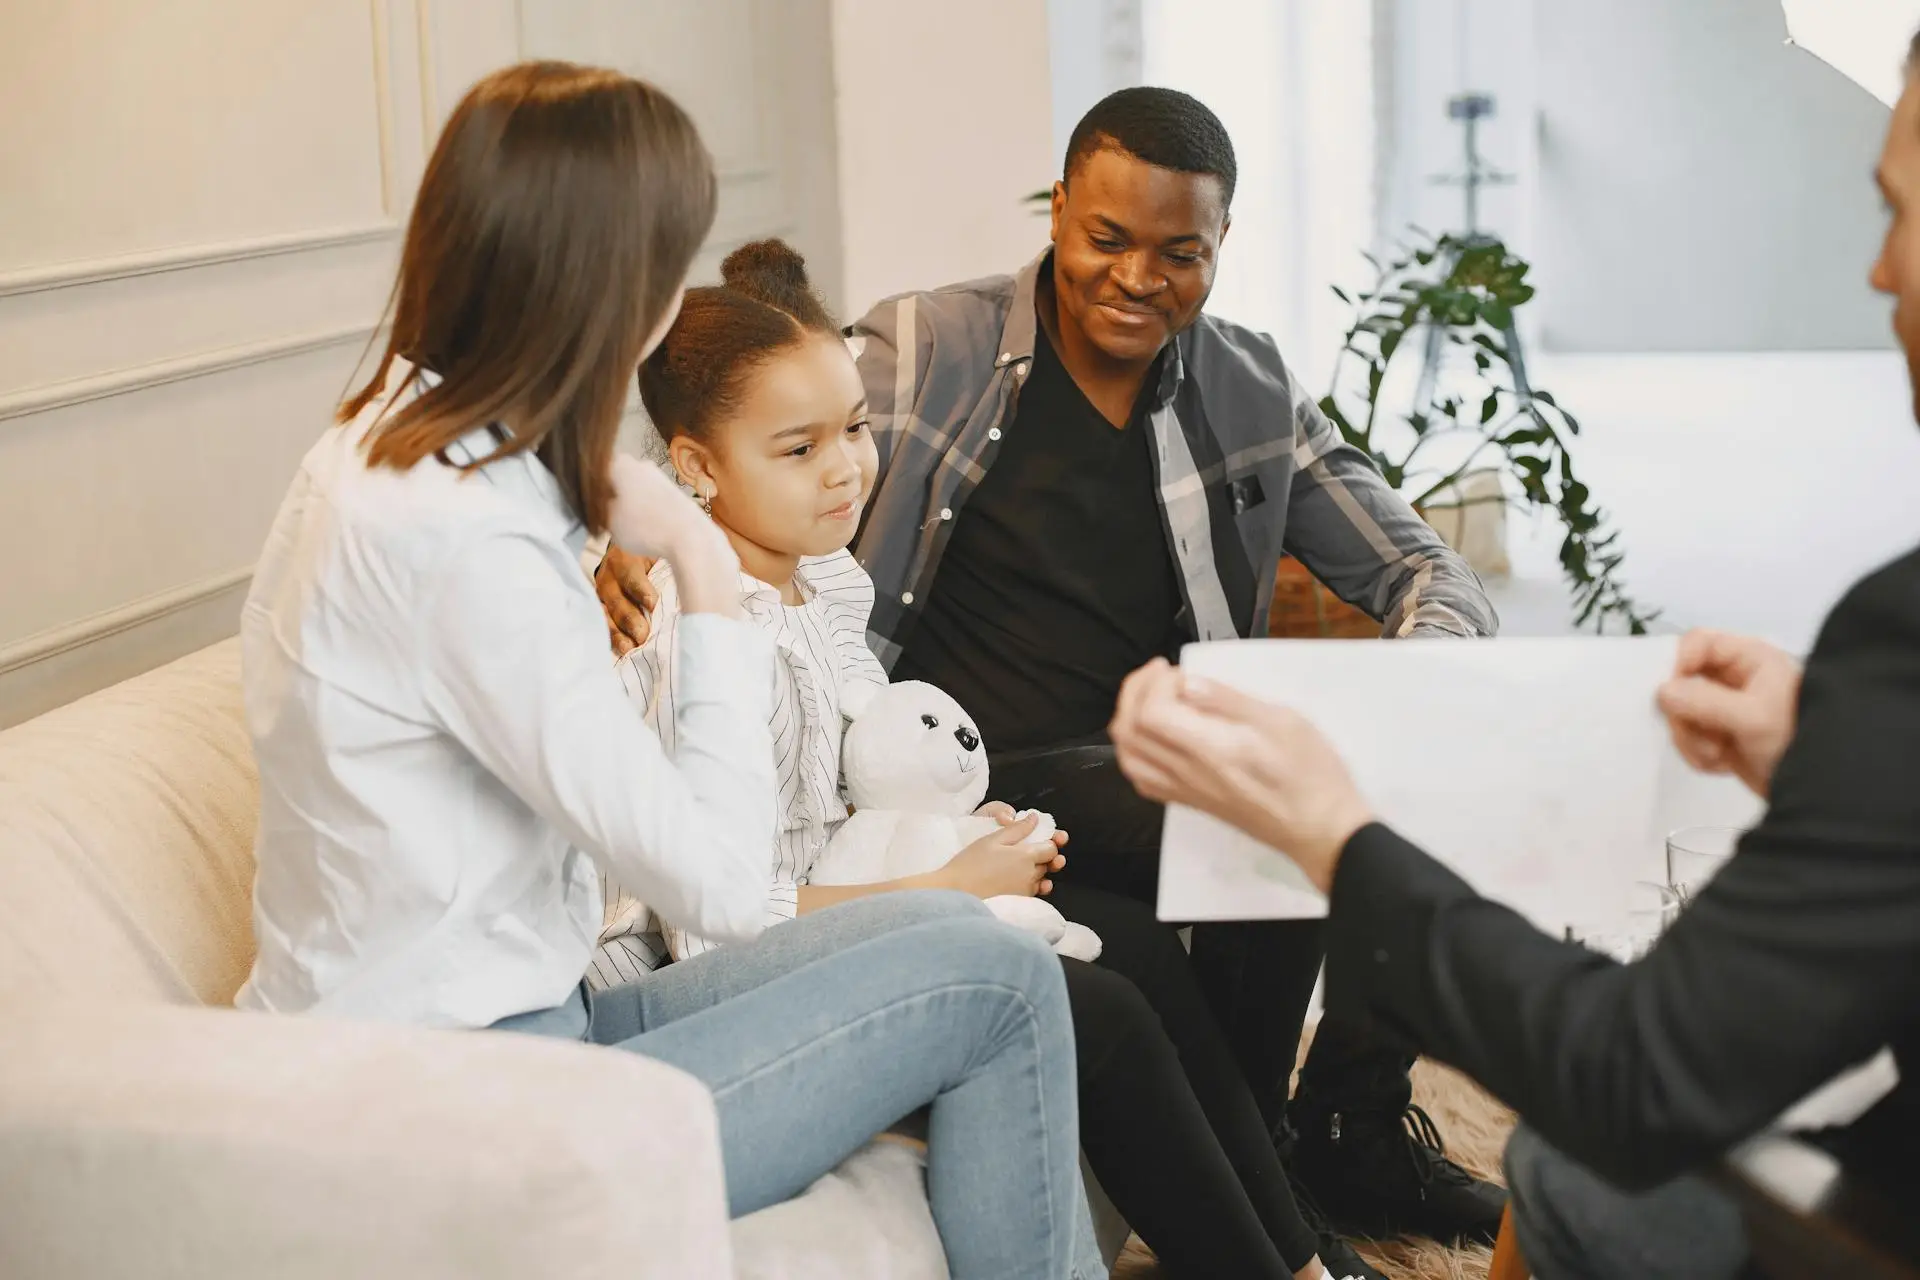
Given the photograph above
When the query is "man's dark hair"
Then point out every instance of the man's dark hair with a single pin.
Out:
(1164, 127)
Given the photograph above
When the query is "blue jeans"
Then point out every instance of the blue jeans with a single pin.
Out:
(827, 1029)
(1572, 1225)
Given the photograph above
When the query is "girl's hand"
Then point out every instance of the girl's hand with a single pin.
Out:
(1006, 862)
(1003, 813)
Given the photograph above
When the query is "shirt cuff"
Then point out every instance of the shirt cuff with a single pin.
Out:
(594, 552)
(1387, 894)
(1437, 620)
(783, 902)
(723, 660)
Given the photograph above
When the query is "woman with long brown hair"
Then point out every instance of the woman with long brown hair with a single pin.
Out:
(446, 763)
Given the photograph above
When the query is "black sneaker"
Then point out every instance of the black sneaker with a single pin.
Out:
(1335, 1254)
(1382, 1174)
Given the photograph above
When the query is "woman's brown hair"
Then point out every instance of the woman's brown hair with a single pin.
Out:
(556, 221)
(764, 305)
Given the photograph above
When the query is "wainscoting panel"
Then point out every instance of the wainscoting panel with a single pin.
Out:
(56, 335)
(136, 490)
(204, 201)
(202, 212)
(135, 127)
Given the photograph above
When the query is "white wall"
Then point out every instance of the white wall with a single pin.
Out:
(1688, 181)
(1292, 80)
(945, 122)
(202, 209)
(1094, 48)
(1734, 181)
(1429, 51)
(1751, 489)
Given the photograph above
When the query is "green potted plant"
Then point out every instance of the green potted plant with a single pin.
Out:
(1504, 439)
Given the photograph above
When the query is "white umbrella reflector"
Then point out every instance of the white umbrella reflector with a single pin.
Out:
(1864, 40)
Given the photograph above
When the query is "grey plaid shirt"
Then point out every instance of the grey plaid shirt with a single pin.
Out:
(1247, 466)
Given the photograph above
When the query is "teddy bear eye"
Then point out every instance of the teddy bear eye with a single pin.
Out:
(932, 722)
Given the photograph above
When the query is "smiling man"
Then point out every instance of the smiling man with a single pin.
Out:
(1082, 471)
(1079, 471)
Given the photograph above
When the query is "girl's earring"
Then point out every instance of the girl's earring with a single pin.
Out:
(705, 503)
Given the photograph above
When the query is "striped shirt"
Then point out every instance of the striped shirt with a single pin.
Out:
(822, 650)
(1246, 465)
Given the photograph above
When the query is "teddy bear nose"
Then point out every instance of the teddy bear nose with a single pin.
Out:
(966, 737)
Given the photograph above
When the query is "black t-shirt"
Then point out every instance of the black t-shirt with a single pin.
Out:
(1057, 580)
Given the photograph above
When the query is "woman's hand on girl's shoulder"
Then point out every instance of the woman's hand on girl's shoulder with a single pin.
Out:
(650, 516)
(629, 598)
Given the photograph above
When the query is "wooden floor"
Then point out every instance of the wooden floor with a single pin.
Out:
(1475, 1127)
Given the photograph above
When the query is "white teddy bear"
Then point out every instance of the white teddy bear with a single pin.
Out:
(915, 771)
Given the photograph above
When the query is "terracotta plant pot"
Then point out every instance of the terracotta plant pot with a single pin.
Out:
(1303, 609)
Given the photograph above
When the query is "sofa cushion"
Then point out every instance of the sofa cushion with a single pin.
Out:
(126, 825)
(869, 1217)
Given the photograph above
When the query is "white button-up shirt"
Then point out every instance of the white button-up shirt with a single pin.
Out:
(445, 752)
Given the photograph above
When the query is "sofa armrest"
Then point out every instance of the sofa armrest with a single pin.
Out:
(1807, 1217)
(162, 1141)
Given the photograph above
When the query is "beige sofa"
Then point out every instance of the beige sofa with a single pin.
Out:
(146, 1129)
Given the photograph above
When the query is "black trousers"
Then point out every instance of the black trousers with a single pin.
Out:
(1256, 976)
(1166, 1120)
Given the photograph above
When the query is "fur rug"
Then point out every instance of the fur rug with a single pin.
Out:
(1475, 1128)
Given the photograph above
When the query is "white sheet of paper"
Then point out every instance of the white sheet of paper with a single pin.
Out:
(1537, 769)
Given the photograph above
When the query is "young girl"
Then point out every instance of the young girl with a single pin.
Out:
(445, 757)
(764, 416)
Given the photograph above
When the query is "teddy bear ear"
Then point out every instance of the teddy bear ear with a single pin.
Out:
(856, 698)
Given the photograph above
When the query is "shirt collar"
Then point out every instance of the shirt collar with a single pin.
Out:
(1017, 335)
(755, 592)
(522, 475)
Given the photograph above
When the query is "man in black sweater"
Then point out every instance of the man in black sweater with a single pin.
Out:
(1800, 959)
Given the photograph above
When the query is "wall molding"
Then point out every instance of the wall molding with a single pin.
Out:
(116, 382)
(383, 102)
(61, 275)
(425, 34)
(48, 644)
